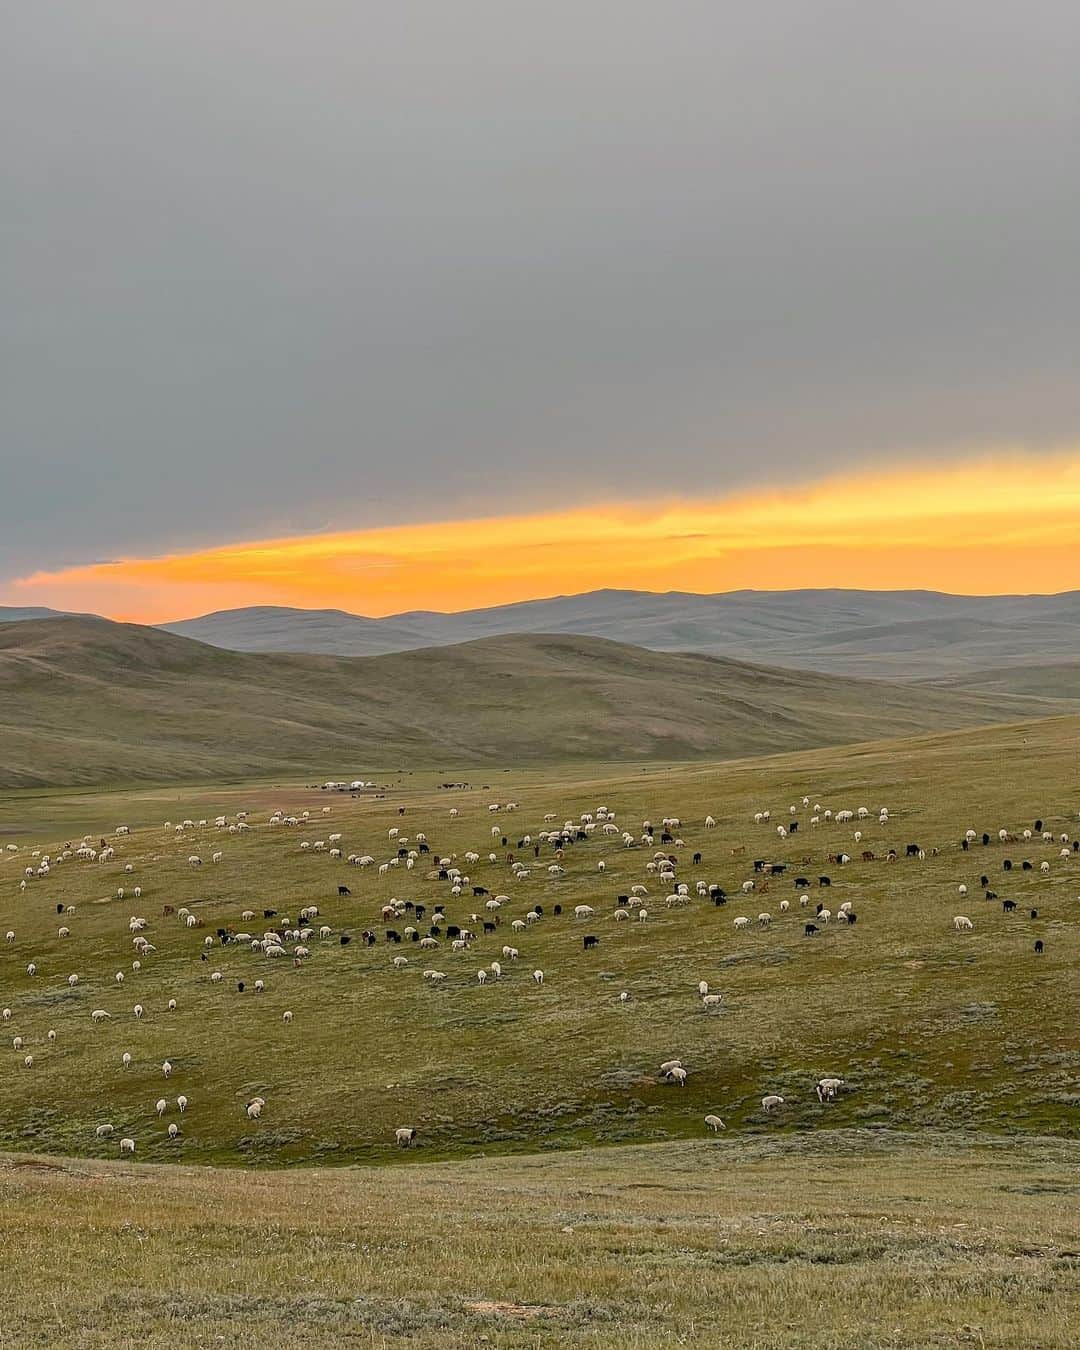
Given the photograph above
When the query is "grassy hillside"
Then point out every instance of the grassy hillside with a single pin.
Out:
(884, 634)
(836, 1239)
(931, 1028)
(86, 701)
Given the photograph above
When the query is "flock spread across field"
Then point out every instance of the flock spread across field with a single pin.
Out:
(362, 975)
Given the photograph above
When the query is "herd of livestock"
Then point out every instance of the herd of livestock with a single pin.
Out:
(478, 905)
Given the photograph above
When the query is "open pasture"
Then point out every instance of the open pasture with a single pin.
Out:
(927, 1026)
(836, 1238)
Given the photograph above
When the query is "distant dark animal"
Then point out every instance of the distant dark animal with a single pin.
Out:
(368, 938)
(453, 931)
(60, 909)
(479, 890)
(793, 828)
(343, 890)
(1038, 827)
(667, 837)
(867, 855)
(1025, 866)
(697, 859)
(239, 986)
(986, 839)
(622, 900)
(424, 848)
(964, 845)
(414, 936)
(590, 941)
(824, 881)
(444, 875)
(759, 864)
(984, 881)
(1007, 906)
(392, 935)
(401, 810)
(778, 869)
(719, 898)
(912, 851)
(717, 891)
(852, 918)
(991, 895)
(403, 852)
(1034, 913)
(434, 930)
(819, 909)
(489, 927)
(1006, 866)
(1038, 947)
(269, 913)
(539, 909)
(801, 883)
(420, 911)
(811, 929)
(504, 841)
(165, 909)
(557, 909)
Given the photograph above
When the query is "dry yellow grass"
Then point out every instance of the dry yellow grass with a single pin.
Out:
(842, 1240)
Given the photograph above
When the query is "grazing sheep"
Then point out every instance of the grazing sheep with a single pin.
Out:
(538, 977)
(962, 924)
(161, 1107)
(715, 1123)
(181, 1103)
(771, 1102)
(404, 1135)
(103, 1131)
(127, 1145)
(286, 1016)
(174, 1130)
(166, 1069)
(677, 1075)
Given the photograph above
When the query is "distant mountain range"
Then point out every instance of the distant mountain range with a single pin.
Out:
(887, 634)
(892, 634)
(87, 701)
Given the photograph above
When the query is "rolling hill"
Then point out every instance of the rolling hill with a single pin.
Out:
(88, 701)
(889, 634)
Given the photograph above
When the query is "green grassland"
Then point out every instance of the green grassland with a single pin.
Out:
(930, 1027)
(934, 1203)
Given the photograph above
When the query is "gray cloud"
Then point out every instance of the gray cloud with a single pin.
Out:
(271, 267)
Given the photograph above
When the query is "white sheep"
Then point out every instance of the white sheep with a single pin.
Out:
(771, 1102)
(538, 977)
(127, 1145)
(715, 1123)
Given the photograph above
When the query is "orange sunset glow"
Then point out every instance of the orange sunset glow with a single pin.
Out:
(999, 525)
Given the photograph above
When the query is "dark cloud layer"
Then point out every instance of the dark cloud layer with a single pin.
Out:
(271, 267)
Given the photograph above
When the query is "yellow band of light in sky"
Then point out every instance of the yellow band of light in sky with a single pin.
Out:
(1006, 524)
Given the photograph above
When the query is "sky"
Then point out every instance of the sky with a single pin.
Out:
(428, 306)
